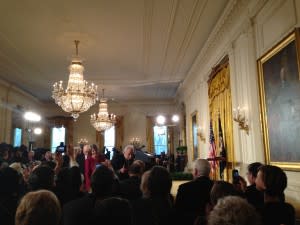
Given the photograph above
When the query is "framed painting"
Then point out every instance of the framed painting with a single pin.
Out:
(194, 135)
(279, 85)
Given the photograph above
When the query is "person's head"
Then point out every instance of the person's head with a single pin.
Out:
(136, 168)
(77, 150)
(112, 211)
(128, 152)
(252, 171)
(272, 180)
(9, 180)
(141, 163)
(94, 150)
(41, 178)
(4, 153)
(102, 182)
(144, 184)
(86, 150)
(221, 189)
(38, 207)
(201, 168)
(18, 153)
(233, 210)
(159, 181)
(48, 155)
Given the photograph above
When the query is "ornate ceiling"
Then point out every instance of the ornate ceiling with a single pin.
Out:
(138, 50)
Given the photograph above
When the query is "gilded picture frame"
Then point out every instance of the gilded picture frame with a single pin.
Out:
(195, 143)
(279, 87)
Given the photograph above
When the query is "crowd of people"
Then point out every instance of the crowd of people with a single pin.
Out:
(83, 186)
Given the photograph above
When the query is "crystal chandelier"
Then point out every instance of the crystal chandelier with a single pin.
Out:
(103, 120)
(79, 96)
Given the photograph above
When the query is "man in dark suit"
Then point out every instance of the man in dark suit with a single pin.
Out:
(121, 162)
(254, 196)
(193, 196)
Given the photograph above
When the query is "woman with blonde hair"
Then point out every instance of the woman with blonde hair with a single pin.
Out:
(38, 207)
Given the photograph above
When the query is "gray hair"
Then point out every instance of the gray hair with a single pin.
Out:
(202, 166)
(233, 210)
(128, 147)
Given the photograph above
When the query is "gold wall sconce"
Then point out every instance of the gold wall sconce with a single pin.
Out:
(201, 133)
(83, 141)
(240, 118)
(136, 142)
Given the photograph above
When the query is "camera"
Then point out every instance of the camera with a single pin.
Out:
(61, 148)
(235, 176)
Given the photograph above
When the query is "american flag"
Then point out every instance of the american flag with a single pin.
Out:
(212, 147)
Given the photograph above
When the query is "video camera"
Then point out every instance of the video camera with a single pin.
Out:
(61, 148)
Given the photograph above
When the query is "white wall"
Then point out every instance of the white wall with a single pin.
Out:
(246, 31)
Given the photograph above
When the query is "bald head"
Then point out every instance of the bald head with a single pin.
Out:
(201, 168)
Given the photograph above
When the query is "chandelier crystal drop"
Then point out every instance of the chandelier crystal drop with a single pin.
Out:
(103, 120)
(79, 95)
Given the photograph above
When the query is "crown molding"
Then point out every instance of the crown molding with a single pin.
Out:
(15, 88)
(236, 19)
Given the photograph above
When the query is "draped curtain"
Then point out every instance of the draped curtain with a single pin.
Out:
(100, 139)
(149, 133)
(171, 140)
(119, 132)
(219, 93)
(67, 122)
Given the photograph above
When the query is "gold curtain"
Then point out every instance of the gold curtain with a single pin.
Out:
(60, 121)
(100, 139)
(171, 140)
(219, 93)
(119, 132)
(149, 134)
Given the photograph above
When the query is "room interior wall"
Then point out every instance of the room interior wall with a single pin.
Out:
(134, 114)
(246, 31)
(10, 97)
